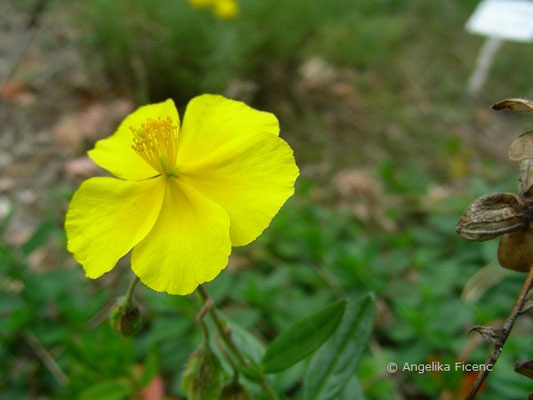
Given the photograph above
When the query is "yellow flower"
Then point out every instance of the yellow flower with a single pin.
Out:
(224, 9)
(201, 3)
(185, 194)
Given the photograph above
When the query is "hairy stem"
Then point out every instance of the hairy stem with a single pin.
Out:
(506, 329)
(230, 344)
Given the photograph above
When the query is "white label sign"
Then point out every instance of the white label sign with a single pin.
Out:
(504, 19)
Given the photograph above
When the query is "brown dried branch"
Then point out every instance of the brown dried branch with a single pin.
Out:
(505, 330)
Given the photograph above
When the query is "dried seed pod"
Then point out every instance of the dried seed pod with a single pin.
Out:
(525, 368)
(526, 197)
(515, 104)
(491, 215)
(493, 335)
(516, 250)
(521, 150)
(525, 176)
(522, 147)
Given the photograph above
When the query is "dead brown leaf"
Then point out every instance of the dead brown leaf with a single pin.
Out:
(94, 122)
(154, 391)
(81, 167)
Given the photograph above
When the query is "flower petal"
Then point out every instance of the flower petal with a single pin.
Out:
(211, 121)
(189, 244)
(107, 217)
(115, 153)
(250, 177)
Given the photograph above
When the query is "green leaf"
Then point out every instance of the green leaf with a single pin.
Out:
(353, 390)
(302, 338)
(248, 343)
(332, 366)
(106, 390)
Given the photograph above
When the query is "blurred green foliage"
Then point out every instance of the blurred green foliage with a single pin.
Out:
(401, 68)
(177, 51)
(310, 255)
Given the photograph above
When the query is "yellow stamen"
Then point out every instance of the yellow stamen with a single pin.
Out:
(156, 142)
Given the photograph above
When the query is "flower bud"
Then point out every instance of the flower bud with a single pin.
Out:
(234, 391)
(202, 379)
(125, 317)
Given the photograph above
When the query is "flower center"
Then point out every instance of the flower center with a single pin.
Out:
(156, 142)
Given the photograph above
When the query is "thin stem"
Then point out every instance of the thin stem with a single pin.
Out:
(220, 328)
(226, 337)
(506, 329)
(131, 289)
(24, 43)
(46, 358)
(268, 390)
(200, 318)
(230, 361)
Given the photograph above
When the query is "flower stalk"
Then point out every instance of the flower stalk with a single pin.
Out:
(230, 344)
(131, 289)
(504, 334)
(234, 369)
(200, 318)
